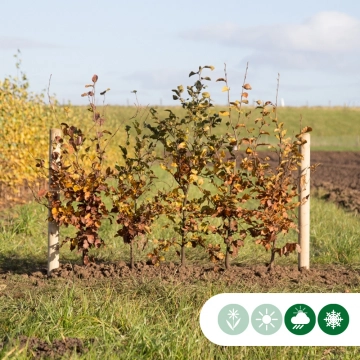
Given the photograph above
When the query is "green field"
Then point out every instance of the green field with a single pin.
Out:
(336, 128)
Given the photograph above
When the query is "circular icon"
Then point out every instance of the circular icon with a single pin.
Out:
(300, 319)
(333, 319)
(266, 319)
(233, 319)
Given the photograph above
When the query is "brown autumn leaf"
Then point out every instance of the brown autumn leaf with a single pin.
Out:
(42, 192)
(302, 181)
(289, 248)
(306, 129)
(247, 87)
(95, 78)
(100, 121)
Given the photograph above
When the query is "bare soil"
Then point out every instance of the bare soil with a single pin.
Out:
(40, 349)
(337, 177)
(328, 276)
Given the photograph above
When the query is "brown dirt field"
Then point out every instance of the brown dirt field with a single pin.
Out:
(336, 179)
(339, 177)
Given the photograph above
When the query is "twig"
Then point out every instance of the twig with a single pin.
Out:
(50, 102)
(242, 91)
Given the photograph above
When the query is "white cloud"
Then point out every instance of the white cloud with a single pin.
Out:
(325, 32)
(328, 40)
(300, 319)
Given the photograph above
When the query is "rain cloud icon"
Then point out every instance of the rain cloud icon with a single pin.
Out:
(300, 320)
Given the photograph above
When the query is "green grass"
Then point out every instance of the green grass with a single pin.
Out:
(141, 319)
(135, 321)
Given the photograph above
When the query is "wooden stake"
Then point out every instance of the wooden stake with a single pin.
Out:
(53, 228)
(304, 210)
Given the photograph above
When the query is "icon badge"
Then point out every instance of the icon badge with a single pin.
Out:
(300, 319)
(333, 319)
(233, 319)
(266, 319)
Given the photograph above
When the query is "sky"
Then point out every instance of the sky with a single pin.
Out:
(152, 46)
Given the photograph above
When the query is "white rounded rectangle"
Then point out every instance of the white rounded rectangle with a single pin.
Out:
(276, 319)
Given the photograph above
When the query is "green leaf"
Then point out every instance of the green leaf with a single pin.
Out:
(192, 73)
(176, 92)
(124, 150)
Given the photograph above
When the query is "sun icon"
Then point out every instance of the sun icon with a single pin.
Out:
(300, 311)
(266, 319)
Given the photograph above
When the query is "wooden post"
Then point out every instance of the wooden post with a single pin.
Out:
(304, 209)
(53, 228)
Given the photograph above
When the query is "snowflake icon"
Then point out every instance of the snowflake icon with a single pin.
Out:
(333, 319)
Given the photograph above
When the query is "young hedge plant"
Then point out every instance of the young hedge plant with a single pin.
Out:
(134, 179)
(188, 145)
(79, 175)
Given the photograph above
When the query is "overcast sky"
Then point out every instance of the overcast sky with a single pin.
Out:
(151, 47)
